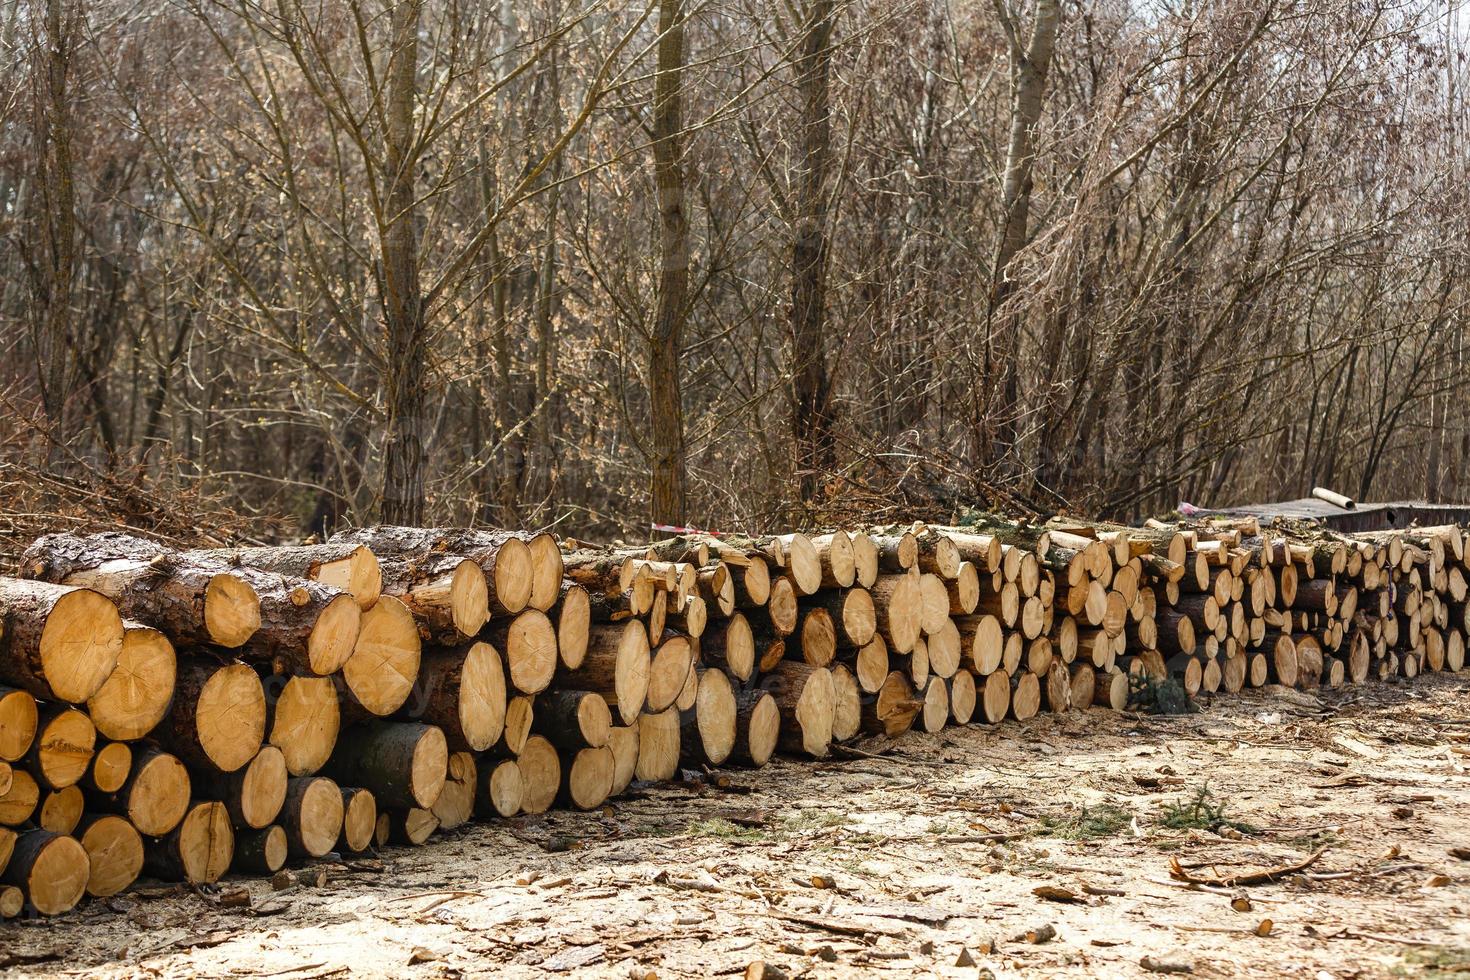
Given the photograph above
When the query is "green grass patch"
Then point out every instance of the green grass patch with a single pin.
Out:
(1103, 820)
(1438, 962)
(1201, 811)
(720, 829)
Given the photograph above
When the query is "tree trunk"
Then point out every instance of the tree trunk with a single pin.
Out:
(405, 455)
(669, 491)
(1029, 67)
(811, 420)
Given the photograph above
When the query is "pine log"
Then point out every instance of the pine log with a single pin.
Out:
(18, 803)
(114, 854)
(572, 615)
(504, 557)
(864, 559)
(982, 643)
(111, 764)
(547, 569)
(540, 775)
(520, 714)
(589, 778)
(806, 699)
(254, 794)
(752, 584)
(730, 645)
(462, 691)
(781, 610)
(717, 589)
(847, 704)
(456, 804)
(447, 594)
(893, 710)
(303, 720)
(573, 720)
(380, 674)
(815, 639)
(834, 553)
(51, 871)
(896, 552)
(199, 850)
(757, 728)
(403, 763)
(137, 694)
(312, 816)
(18, 720)
(1025, 696)
(359, 820)
(899, 605)
(62, 751)
(658, 746)
(668, 672)
(624, 745)
(870, 664)
(61, 810)
(528, 643)
(962, 697)
(933, 602)
(945, 650)
(413, 826)
(58, 642)
(803, 567)
(347, 567)
(499, 789)
(218, 715)
(195, 601)
(260, 852)
(156, 795)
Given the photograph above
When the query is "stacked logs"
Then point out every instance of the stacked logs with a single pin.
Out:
(187, 713)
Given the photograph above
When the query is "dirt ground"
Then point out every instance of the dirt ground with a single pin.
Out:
(922, 857)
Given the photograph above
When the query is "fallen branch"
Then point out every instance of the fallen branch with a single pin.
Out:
(1268, 876)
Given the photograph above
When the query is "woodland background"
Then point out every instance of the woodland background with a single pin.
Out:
(277, 265)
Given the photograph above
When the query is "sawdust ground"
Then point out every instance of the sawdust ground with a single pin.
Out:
(903, 863)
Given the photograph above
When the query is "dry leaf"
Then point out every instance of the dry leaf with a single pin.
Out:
(1053, 893)
(1264, 929)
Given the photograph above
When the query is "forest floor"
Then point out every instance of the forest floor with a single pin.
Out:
(1037, 849)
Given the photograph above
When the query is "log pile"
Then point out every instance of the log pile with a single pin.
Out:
(185, 714)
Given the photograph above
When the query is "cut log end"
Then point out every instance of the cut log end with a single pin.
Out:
(50, 869)
(231, 610)
(334, 635)
(540, 768)
(305, 722)
(385, 658)
(115, 855)
(359, 819)
(80, 644)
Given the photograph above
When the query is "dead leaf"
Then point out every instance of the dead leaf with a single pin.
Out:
(1264, 929)
(1241, 903)
(1463, 853)
(422, 955)
(964, 959)
(1438, 881)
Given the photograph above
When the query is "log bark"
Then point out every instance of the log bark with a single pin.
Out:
(617, 666)
(462, 691)
(253, 794)
(404, 764)
(348, 567)
(199, 850)
(193, 601)
(59, 643)
(218, 715)
(448, 594)
(155, 797)
(51, 871)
